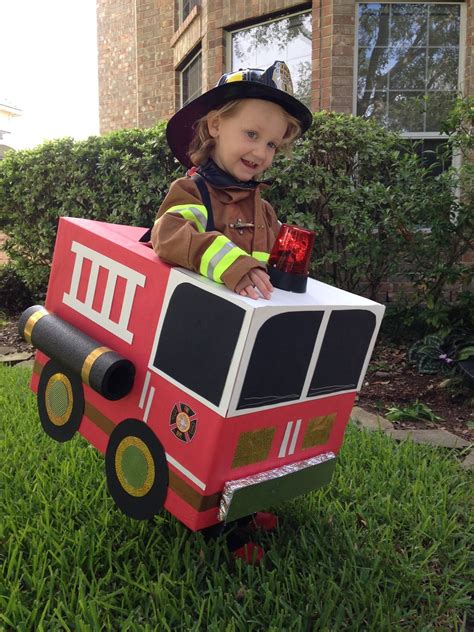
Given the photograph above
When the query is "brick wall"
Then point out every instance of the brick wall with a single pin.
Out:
(142, 48)
(117, 50)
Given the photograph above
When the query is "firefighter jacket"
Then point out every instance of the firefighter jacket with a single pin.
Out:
(245, 227)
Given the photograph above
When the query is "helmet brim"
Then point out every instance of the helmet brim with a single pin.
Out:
(180, 128)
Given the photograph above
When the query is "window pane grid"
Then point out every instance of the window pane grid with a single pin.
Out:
(408, 61)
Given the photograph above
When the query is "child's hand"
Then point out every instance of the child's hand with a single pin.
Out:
(260, 281)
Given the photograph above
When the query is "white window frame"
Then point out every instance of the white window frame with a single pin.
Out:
(181, 73)
(461, 68)
(229, 34)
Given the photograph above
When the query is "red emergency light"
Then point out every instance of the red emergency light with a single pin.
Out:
(289, 260)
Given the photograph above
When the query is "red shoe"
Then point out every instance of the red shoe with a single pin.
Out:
(250, 553)
(264, 520)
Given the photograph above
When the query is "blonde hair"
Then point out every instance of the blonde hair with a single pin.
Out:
(202, 144)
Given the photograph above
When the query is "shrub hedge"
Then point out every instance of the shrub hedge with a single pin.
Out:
(120, 177)
(370, 199)
(361, 187)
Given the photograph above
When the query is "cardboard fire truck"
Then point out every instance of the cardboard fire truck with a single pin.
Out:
(204, 402)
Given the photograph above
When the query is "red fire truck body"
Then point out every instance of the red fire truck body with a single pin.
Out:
(235, 404)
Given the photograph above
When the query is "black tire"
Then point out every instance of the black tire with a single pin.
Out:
(136, 469)
(60, 401)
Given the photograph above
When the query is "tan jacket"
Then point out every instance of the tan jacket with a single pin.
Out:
(179, 236)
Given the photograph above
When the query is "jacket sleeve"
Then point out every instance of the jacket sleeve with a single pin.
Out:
(179, 237)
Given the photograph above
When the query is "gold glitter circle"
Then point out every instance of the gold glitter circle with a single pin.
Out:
(137, 443)
(58, 399)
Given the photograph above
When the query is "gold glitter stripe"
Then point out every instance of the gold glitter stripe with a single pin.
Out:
(191, 496)
(89, 361)
(31, 322)
(253, 446)
(98, 419)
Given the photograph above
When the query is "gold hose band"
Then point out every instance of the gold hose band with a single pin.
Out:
(89, 361)
(31, 322)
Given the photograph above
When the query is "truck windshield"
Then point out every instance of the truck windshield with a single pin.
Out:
(343, 352)
(198, 339)
(279, 362)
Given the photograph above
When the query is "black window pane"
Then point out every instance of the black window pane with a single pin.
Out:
(343, 352)
(406, 111)
(373, 25)
(280, 359)
(443, 66)
(409, 71)
(187, 6)
(434, 154)
(373, 105)
(198, 339)
(444, 25)
(192, 80)
(438, 105)
(408, 26)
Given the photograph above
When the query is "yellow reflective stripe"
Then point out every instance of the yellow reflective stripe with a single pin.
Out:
(218, 257)
(210, 252)
(196, 214)
(226, 261)
(261, 256)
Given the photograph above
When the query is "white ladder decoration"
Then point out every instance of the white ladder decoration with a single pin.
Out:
(114, 270)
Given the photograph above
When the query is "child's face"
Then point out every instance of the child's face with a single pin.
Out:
(246, 141)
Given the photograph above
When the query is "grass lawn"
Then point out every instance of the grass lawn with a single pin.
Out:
(385, 547)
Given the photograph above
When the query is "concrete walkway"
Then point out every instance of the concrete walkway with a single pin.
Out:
(431, 436)
(362, 418)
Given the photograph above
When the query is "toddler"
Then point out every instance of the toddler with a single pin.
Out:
(213, 221)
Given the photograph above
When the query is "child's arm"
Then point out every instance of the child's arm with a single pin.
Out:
(259, 280)
(179, 236)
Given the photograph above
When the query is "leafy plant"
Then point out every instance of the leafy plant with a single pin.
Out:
(418, 411)
(436, 353)
(429, 357)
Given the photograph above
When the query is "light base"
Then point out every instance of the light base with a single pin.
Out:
(288, 281)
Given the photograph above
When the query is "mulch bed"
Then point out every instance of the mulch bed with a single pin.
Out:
(9, 338)
(389, 381)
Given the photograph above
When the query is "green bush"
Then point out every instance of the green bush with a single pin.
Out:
(404, 321)
(14, 295)
(370, 199)
(121, 177)
(361, 187)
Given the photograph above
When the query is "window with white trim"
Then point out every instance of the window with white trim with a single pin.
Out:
(408, 66)
(191, 80)
(285, 39)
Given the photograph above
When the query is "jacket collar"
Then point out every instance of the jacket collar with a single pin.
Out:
(220, 179)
